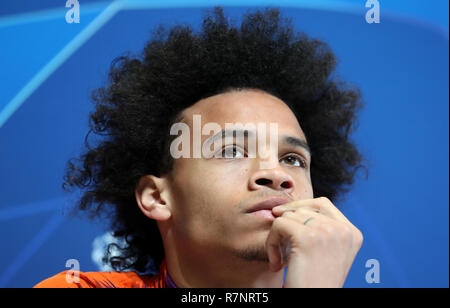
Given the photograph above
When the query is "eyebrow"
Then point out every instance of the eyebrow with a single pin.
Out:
(296, 142)
(292, 141)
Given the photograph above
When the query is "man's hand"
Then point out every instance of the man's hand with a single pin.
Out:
(321, 251)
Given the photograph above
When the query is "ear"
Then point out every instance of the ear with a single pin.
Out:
(149, 191)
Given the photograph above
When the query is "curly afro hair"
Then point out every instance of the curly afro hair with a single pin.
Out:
(145, 94)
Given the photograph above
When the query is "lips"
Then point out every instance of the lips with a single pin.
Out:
(268, 204)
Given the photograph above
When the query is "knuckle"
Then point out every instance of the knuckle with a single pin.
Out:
(324, 200)
(310, 237)
(351, 236)
(329, 230)
(358, 238)
(346, 235)
(344, 231)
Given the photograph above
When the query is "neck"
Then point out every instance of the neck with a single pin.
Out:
(210, 268)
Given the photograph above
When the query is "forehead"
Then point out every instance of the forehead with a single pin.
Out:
(246, 106)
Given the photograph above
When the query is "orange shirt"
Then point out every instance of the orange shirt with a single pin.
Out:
(107, 280)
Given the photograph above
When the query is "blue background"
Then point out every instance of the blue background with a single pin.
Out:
(48, 68)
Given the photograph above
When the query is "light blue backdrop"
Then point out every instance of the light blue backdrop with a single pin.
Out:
(49, 67)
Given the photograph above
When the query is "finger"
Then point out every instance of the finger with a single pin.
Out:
(322, 205)
(285, 249)
(304, 216)
(296, 205)
(279, 235)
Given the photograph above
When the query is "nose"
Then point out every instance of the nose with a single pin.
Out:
(274, 179)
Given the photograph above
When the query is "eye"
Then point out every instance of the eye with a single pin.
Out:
(295, 160)
(231, 152)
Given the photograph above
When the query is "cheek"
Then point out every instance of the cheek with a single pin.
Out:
(201, 192)
(303, 185)
(228, 182)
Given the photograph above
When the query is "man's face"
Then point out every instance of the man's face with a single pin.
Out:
(210, 197)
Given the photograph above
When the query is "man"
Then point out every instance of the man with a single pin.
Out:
(226, 212)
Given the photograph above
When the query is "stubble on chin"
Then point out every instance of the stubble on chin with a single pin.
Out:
(256, 253)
